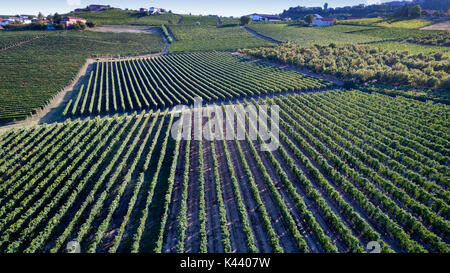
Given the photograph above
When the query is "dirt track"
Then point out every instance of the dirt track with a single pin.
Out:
(439, 26)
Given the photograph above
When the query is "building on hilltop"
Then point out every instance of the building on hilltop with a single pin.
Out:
(265, 17)
(98, 7)
(154, 11)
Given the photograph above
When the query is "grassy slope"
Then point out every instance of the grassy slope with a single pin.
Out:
(108, 17)
(191, 20)
(313, 35)
(228, 21)
(201, 38)
(159, 19)
(32, 73)
(362, 22)
(412, 23)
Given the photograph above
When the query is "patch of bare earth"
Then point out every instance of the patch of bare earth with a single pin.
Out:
(439, 26)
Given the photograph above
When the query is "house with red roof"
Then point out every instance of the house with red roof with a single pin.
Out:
(9, 20)
(70, 21)
(320, 21)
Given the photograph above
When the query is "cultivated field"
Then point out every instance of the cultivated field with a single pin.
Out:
(356, 150)
(308, 36)
(351, 168)
(135, 84)
(35, 70)
(208, 38)
(412, 23)
(159, 19)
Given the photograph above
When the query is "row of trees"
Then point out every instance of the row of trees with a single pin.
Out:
(406, 11)
(362, 63)
(375, 10)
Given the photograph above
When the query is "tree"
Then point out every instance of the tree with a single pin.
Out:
(245, 20)
(310, 19)
(325, 6)
(79, 26)
(402, 12)
(301, 23)
(416, 11)
(57, 18)
(40, 16)
(91, 24)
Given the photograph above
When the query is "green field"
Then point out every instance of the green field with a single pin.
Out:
(307, 36)
(192, 20)
(392, 33)
(229, 21)
(158, 19)
(201, 38)
(410, 24)
(108, 17)
(362, 22)
(32, 73)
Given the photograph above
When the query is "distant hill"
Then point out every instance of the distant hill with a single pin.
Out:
(384, 9)
(436, 4)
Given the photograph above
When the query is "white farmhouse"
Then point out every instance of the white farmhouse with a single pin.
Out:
(153, 10)
(264, 17)
(320, 21)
